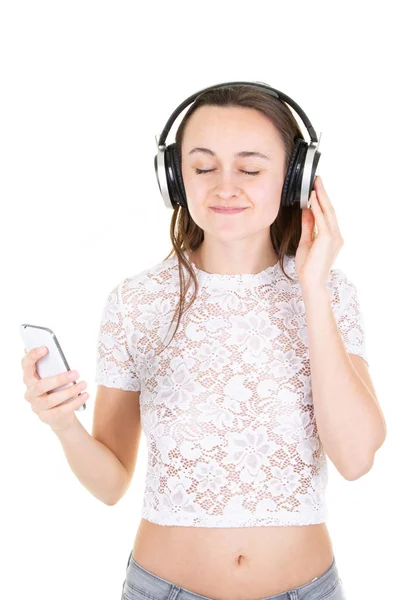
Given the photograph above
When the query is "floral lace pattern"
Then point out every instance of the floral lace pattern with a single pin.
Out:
(227, 408)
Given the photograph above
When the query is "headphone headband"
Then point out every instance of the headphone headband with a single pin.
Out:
(257, 84)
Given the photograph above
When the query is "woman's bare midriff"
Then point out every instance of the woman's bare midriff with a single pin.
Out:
(240, 563)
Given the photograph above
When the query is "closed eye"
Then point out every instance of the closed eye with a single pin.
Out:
(201, 171)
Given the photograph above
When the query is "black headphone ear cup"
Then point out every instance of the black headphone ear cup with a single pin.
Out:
(175, 164)
(292, 185)
(170, 175)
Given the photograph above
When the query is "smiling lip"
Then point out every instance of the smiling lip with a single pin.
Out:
(227, 211)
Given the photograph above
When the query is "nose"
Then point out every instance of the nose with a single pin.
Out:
(226, 185)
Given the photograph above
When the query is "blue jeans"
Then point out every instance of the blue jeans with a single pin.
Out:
(140, 584)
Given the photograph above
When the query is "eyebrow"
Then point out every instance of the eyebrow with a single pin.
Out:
(244, 153)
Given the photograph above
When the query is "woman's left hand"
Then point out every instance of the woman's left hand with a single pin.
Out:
(316, 255)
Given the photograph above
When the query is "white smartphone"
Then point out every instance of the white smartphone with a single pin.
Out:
(54, 361)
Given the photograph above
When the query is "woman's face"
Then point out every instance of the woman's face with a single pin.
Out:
(225, 132)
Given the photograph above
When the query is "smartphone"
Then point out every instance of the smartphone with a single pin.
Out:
(54, 361)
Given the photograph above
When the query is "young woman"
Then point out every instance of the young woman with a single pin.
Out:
(234, 506)
(265, 373)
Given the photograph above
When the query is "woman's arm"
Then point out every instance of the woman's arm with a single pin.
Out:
(95, 465)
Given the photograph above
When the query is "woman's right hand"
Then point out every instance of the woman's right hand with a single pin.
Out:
(45, 403)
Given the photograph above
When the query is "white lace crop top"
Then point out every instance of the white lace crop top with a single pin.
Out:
(227, 408)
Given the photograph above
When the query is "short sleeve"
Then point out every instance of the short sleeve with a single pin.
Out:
(347, 311)
(115, 364)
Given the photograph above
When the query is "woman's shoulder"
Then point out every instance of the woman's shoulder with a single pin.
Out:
(152, 279)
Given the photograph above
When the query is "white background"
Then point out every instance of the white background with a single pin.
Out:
(85, 87)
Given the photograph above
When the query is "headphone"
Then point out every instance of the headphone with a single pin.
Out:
(300, 175)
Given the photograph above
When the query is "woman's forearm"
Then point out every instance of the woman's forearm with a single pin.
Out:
(95, 465)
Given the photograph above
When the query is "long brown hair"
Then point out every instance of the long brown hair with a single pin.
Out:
(285, 231)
